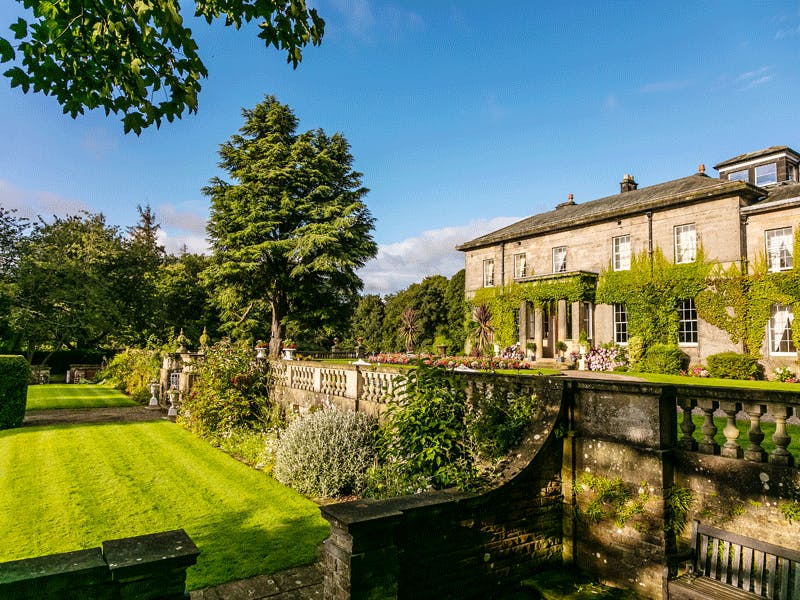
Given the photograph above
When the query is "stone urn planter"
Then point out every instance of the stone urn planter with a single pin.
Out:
(288, 353)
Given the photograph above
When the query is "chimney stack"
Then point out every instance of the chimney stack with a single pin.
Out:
(628, 184)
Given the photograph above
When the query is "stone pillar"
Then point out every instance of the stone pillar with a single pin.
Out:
(562, 320)
(360, 557)
(538, 323)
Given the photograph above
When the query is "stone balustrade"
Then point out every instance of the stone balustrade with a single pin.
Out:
(758, 406)
(303, 384)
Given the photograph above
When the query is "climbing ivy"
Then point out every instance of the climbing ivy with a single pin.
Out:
(504, 301)
(651, 291)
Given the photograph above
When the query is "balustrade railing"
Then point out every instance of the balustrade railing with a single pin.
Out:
(759, 407)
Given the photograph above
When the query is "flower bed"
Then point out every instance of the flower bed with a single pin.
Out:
(451, 362)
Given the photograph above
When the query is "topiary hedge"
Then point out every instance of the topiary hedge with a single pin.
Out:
(666, 359)
(14, 375)
(730, 365)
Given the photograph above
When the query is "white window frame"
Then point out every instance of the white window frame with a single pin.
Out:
(740, 175)
(767, 174)
(488, 272)
(779, 245)
(779, 331)
(622, 252)
(560, 259)
(685, 237)
(520, 265)
(620, 324)
(687, 323)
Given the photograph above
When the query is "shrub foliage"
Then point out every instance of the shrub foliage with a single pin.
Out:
(730, 365)
(667, 359)
(326, 453)
(14, 375)
(131, 371)
(231, 392)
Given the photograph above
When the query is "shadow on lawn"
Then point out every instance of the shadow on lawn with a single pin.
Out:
(234, 548)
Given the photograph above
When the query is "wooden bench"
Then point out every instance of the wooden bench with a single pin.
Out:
(727, 566)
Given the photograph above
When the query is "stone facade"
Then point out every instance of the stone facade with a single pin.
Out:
(728, 218)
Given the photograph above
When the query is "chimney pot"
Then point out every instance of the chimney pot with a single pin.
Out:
(628, 184)
(571, 200)
(701, 169)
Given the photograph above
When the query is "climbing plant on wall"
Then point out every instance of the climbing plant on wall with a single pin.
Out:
(505, 301)
(651, 291)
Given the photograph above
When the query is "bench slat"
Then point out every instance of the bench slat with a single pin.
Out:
(772, 572)
(737, 565)
(758, 562)
(725, 562)
(747, 567)
(790, 553)
(703, 557)
(714, 558)
(688, 587)
(783, 589)
(796, 593)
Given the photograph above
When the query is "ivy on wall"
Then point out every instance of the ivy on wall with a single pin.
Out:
(651, 291)
(504, 302)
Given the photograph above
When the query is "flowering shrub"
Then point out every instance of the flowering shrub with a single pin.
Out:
(785, 374)
(696, 371)
(326, 453)
(608, 357)
(451, 362)
(131, 371)
(231, 392)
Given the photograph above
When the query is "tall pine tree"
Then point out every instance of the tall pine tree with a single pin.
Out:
(290, 230)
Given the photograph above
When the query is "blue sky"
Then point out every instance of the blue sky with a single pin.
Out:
(462, 116)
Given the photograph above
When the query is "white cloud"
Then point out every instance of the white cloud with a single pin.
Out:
(752, 79)
(432, 252)
(30, 203)
(366, 22)
(181, 229)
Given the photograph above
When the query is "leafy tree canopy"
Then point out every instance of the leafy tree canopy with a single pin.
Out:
(290, 231)
(136, 57)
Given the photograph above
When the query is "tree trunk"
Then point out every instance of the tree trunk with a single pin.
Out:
(277, 329)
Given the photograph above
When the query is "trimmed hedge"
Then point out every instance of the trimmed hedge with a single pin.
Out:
(666, 359)
(14, 375)
(730, 365)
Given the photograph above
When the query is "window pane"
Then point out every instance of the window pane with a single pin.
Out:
(780, 330)
(520, 265)
(779, 248)
(620, 324)
(622, 253)
(766, 174)
(739, 176)
(687, 322)
(488, 272)
(560, 259)
(685, 243)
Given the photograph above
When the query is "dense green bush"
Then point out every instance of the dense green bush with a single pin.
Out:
(14, 375)
(231, 392)
(425, 430)
(666, 359)
(326, 453)
(497, 423)
(730, 365)
(60, 360)
(131, 371)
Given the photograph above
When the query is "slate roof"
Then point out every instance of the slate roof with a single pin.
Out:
(671, 193)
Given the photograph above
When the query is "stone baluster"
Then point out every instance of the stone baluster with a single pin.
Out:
(709, 429)
(687, 442)
(781, 456)
(755, 452)
(731, 448)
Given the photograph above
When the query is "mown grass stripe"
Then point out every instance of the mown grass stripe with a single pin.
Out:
(69, 487)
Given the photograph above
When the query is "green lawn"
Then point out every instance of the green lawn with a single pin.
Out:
(70, 487)
(79, 395)
(706, 381)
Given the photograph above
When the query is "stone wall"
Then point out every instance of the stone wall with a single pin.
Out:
(452, 545)
(139, 568)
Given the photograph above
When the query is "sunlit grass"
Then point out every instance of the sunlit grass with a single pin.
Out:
(767, 428)
(70, 487)
(79, 395)
(712, 381)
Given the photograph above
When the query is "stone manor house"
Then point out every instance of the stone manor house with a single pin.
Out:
(747, 218)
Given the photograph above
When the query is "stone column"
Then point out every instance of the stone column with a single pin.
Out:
(538, 323)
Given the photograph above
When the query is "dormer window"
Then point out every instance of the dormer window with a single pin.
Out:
(767, 174)
(742, 175)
